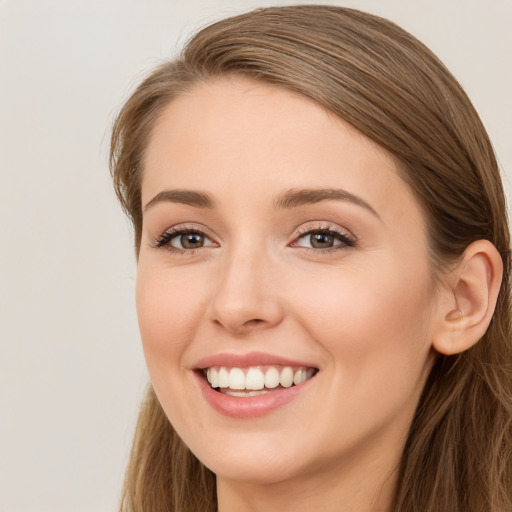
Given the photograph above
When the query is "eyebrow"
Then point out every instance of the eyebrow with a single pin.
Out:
(298, 197)
(189, 197)
(292, 198)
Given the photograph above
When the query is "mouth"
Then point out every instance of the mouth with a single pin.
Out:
(253, 384)
(255, 380)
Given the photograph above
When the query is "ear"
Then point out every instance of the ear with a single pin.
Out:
(469, 299)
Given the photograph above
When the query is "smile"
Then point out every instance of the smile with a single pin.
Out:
(254, 381)
(252, 384)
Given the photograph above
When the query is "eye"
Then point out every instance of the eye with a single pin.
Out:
(188, 241)
(182, 240)
(324, 239)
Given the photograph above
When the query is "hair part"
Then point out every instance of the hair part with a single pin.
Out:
(384, 82)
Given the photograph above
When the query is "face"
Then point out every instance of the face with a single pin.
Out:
(285, 260)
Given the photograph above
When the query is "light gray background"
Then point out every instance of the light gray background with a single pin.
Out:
(71, 367)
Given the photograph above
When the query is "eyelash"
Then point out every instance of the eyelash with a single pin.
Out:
(347, 240)
(164, 240)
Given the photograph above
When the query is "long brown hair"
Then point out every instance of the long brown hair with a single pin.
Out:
(388, 85)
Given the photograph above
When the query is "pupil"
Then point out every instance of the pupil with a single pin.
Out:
(321, 240)
(192, 240)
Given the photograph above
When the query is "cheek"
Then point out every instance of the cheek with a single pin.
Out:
(169, 306)
(374, 296)
(375, 323)
(375, 330)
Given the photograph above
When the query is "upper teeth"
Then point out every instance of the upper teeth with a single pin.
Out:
(256, 378)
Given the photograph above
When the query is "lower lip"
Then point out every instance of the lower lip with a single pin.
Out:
(251, 406)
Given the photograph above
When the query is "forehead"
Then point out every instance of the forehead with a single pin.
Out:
(260, 139)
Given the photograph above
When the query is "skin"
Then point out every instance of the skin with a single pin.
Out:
(363, 314)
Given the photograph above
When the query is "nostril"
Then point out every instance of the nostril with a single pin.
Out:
(254, 321)
(245, 327)
(252, 324)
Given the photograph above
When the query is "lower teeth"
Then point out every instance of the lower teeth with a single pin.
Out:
(248, 392)
(230, 392)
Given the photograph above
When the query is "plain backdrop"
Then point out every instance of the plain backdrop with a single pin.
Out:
(71, 367)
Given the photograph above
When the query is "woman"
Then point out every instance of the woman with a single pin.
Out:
(323, 274)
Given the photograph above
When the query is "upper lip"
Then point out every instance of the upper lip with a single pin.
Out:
(249, 359)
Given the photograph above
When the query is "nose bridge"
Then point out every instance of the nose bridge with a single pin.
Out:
(245, 297)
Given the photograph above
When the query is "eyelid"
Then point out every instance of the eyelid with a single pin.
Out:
(343, 234)
(162, 241)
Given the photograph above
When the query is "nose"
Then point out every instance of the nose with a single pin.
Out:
(246, 294)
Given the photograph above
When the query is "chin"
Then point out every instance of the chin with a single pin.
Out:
(261, 463)
(254, 472)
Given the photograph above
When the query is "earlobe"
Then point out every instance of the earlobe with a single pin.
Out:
(474, 286)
